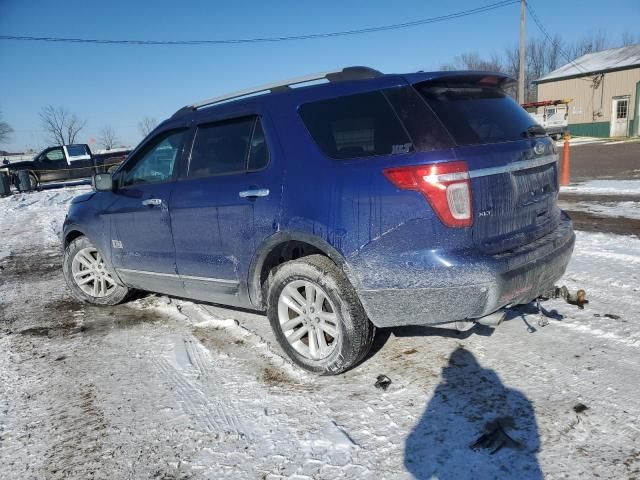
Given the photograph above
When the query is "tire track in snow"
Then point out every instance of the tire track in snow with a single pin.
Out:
(201, 361)
(208, 412)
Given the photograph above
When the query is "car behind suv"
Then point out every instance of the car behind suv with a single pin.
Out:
(365, 201)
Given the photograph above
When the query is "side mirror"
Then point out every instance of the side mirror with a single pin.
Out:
(5, 162)
(103, 182)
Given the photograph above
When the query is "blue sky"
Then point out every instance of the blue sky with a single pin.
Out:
(119, 85)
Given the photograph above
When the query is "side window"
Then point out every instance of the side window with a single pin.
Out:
(232, 146)
(55, 155)
(156, 162)
(361, 125)
(258, 151)
(423, 126)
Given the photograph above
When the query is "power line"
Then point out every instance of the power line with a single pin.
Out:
(360, 31)
(556, 44)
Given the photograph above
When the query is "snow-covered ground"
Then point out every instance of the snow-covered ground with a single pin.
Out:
(626, 209)
(604, 187)
(166, 388)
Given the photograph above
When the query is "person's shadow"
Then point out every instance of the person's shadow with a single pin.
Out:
(474, 427)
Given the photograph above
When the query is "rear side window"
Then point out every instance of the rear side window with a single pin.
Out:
(77, 150)
(233, 146)
(475, 114)
(423, 126)
(361, 125)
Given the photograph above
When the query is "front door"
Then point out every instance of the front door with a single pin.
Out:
(226, 204)
(619, 117)
(141, 238)
(52, 165)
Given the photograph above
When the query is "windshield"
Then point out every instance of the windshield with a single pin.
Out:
(475, 114)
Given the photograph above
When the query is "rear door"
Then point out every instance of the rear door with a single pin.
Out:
(224, 206)
(512, 163)
(80, 161)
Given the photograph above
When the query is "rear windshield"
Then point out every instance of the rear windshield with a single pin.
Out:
(477, 114)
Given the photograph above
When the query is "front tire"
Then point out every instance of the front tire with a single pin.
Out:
(317, 317)
(33, 180)
(88, 277)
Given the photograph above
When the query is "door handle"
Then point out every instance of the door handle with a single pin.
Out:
(150, 202)
(256, 192)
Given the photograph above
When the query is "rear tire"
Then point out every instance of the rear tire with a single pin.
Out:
(326, 329)
(88, 276)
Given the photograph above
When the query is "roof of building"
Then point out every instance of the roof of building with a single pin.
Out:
(597, 62)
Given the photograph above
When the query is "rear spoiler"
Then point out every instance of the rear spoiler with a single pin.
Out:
(464, 77)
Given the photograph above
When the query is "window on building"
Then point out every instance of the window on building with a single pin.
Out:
(621, 108)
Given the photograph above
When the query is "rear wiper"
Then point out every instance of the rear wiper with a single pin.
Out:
(534, 130)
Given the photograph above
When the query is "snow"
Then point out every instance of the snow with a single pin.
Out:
(613, 58)
(604, 187)
(608, 209)
(167, 388)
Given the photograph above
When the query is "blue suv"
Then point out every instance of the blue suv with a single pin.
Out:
(358, 201)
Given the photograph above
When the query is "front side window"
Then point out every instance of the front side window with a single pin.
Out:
(156, 162)
(55, 155)
(232, 146)
(360, 125)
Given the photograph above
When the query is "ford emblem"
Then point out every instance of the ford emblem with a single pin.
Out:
(539, 148)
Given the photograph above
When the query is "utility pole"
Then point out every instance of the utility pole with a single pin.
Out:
(521, 98)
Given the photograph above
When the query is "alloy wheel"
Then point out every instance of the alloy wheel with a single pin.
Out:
(308, 319)
(91, 274)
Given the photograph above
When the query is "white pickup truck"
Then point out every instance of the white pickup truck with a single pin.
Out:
(551, 114)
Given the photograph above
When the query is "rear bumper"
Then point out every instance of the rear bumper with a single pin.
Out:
(470, 286)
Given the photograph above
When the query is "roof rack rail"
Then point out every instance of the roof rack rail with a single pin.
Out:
(344, 74)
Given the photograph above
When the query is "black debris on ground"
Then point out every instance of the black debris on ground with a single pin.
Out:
(580, 407)
(608, 315)
(382, 382)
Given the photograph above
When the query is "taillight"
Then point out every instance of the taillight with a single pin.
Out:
(446, 186)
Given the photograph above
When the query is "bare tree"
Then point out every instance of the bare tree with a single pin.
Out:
(473, 61)
(594, 42)
(628, 39)
(107, 137)
(5, 131)
(61, 126)
(146, 125)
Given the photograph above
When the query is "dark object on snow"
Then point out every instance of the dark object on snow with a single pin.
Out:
(495, 438)
(5, 184)
(578, 299)
(24, 181)
(612, 316)
(580, 407)
(382, 382)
